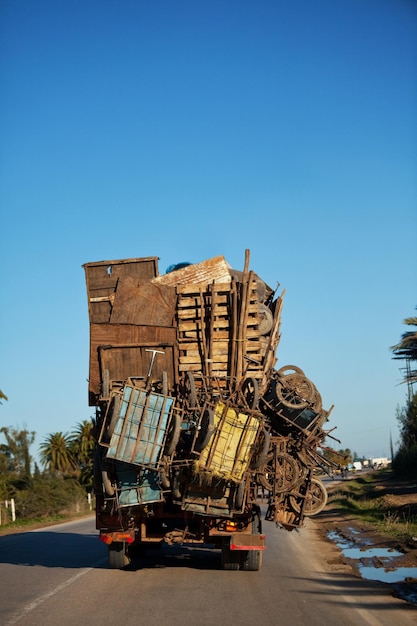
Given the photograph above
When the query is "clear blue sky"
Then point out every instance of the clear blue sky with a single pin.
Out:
(185, 130)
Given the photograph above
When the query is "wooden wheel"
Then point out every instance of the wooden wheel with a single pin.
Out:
(250, 392)
(295, 391)
(315, 499)
(280, 473)
(266, 319)
(206, 430)
(259, 456)
(288, 369)
(190, 390)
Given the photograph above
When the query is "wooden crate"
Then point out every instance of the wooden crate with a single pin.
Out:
(218, 325)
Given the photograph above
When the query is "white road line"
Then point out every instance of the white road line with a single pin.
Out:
(33, 605)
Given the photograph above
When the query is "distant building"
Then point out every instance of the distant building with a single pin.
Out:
(379, 462)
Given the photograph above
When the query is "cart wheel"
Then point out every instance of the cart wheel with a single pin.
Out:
(250, 392)
(190, 391)
(239, 496)
(287, 369)
(317, 402)
(266, 319)
(114, 415)
(315, 499)
(173, 435)
(107, 484)
(206, 430)
(261, 450)
(280, 476)
(118, 558)
(295, 391)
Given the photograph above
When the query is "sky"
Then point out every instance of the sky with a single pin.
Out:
(186, 130)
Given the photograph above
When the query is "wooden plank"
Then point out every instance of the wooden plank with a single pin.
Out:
(190, 326)
(143, 303)
(125, 335)
(211, 270)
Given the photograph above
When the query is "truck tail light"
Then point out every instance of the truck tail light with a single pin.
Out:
(108, 538)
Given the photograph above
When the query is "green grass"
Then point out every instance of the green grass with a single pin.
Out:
(22, 524)
(363, 498)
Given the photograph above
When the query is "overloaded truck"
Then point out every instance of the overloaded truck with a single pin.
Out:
(193, 420)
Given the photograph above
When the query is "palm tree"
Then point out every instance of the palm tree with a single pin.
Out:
(407, 350)
(82, 442)
(56, 454)
(82, 445)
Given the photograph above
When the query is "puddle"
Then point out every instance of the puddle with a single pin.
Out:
(374, 563)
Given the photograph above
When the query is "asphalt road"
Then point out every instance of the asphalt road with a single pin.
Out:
(59, 576)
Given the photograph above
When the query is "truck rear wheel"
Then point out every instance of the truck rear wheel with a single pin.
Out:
(118, 558)
(252, 559)
(230, 558)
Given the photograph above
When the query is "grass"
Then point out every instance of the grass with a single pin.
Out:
(49, 520)
(365, 497)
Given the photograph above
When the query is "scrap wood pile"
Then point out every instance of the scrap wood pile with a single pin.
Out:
(190, 407)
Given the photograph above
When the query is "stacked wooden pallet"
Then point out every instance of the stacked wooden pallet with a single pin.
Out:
(218, 326)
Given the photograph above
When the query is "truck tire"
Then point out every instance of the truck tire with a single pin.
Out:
(231, 559)
(118, 558)
(252, 559)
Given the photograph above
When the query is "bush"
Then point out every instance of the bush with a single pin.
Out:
(50, 495)
(404, 463)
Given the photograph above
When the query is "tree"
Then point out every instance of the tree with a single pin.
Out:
(340, 457)
(405, 461)
(407, 350)
(56, 455)
(82, 445)
(15, 460)
(16, 450)
(407, 420)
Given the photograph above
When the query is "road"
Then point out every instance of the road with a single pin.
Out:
(59, 575)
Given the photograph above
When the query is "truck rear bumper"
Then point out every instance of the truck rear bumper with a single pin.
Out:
(242, 541)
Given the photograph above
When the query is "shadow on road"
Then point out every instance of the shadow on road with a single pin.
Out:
(71, 550)
(201, 557)
(51, 549)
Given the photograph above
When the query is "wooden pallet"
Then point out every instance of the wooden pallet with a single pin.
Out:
(218, 326)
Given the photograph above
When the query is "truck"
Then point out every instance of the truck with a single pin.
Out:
(193, 422)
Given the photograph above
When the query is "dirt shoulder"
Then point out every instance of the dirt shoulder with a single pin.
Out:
(400, 499)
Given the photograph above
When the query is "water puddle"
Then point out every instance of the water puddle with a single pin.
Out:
(374, 563)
